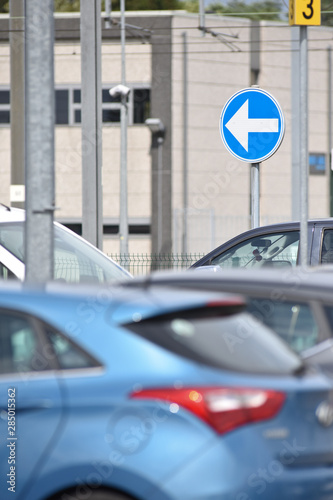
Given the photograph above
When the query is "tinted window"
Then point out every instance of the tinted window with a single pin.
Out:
(141, 105)
(327, 247)
(237, 343)
(293, 321)
(61, 97)
(68, 355)
(269, 250)
(18, 344)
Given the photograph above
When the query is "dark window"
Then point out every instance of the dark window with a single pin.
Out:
(111, 115)
(62, 112)
(77, 116)
(18, 344)
(4, 117)
(77, 95)
(4, 97)
(237, 343)
(141, 105)
(106, 97)
(327, 247)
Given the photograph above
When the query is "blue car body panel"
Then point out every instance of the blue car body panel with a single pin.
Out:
(80, 429)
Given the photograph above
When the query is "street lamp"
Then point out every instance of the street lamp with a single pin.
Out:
(157, 129)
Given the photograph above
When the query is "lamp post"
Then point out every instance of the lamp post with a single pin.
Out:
(157, 129)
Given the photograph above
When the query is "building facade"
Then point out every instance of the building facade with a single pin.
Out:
(182, 77)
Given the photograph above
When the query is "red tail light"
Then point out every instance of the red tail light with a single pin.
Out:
(224, 409)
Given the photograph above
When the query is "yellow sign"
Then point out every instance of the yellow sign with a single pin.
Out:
(305, 12)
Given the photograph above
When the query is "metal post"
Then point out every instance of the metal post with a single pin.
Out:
(304, 163)
(91, 98)
(185, 145)
(329, 129)
(295, 124)
(107, 14)
(202, 16)
(160, 141)
(39, 132)
(255, 195)
(16, 36)
(123, 217)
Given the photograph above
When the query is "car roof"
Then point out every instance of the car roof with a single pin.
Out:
(307, 283)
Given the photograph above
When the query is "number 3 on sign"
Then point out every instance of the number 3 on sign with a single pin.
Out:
(305, 12)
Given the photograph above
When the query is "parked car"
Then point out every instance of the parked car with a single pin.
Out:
(137, 394)
(296, 303)
(75, 260)
(275, 245)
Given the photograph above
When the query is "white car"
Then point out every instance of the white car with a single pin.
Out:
(75, 260)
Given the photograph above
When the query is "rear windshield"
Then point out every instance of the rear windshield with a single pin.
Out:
(236, 343)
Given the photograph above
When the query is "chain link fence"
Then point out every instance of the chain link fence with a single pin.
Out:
(140, 264)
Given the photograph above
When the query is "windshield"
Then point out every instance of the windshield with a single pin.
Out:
(75, 261)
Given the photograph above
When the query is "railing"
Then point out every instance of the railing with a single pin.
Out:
(139, 264)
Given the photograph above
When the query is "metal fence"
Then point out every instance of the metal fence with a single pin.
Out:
(139, 264)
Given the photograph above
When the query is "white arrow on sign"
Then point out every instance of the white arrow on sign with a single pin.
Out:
(240, 125)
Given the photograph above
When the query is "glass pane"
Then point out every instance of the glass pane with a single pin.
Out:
(18, 345)
(111, 115)
(77, 116)
(61, 98)
(293, 322)
(4, 116)
(106, 97)
(327, 248)
(68, 355)
(4, 97)
(273, 250)
(77, 95)
(238, 343)
(141, 105)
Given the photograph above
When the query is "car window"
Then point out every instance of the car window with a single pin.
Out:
(237, 343)
(327, 247)
(275, 249)
(5, 273)
(18, 344)
(74, 260)
(293, 321)
(69, 356)
(29, 345)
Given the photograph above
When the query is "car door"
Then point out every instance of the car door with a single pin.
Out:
(31, 402)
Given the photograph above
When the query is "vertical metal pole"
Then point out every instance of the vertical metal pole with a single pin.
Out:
(255, 195)
(91, 98)
(329, 130)
(304, 163)
(295, 124)
(107, 14)
(185, 145)
(202, 16)
(160, 141)
(39, 132)
(16, 36)
(123, 218)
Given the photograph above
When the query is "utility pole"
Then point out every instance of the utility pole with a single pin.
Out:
(16, 37)
(39, 147)
(91, 98)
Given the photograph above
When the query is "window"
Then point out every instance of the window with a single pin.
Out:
(4, 106)
(294, 322)
(276, 249)
(327, 247)
(29, 345)
(68, 105)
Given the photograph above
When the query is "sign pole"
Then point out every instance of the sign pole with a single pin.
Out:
(303, 52)
(255, 195)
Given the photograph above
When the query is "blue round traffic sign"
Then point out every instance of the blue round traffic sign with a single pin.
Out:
(252, 125)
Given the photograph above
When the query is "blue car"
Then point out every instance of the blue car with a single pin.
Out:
(153, 393)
